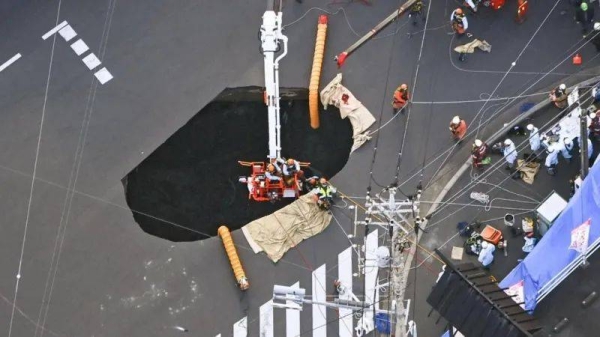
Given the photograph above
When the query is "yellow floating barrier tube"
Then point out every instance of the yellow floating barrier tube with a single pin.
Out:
(315, 74)
(234, 260)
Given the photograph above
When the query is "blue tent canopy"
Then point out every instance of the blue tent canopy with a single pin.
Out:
(552, 253)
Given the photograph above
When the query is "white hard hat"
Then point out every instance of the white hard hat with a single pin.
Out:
(508, 142)
(597, 26)
(478, 142)
(484, 244)
(567, 140)
(562, 86)
(593, 114)
(530, 127)
(455, 120)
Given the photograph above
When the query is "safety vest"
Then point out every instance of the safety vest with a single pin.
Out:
(401, 95)
(417, 6)
(324, 191)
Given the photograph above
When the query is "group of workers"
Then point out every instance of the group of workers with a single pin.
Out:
(288, 170)
(458, 18)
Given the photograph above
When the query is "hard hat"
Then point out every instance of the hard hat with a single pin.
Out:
(584, 6)
(458, 11)
(567, 140)
(455, 120)
(508, 142)
(290, 161)
(593, 115)
(597, 26)
(484, 244)
(530, 127)
(404, 86)
(270, 167)
(562, 87)
(478, 143)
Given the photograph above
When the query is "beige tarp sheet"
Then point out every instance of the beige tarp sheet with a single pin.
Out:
(528, 170)
(469, 48)
(275, 234)
(359, 116)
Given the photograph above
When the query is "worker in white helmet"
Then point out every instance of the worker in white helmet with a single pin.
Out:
(510, 154)
(596, 36)
(551, 161)
(486, 255)
(534, 137)
(566, 149)
(458, 128)
(559, 96)
(479, 153)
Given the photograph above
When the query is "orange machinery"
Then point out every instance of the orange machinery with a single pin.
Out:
(260, 188)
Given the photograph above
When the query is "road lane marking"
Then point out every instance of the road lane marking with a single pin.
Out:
(103, 75)
(79, 47)
(292, 318)
(266, 319)
(91, 61)
(319, 318)
(9, 62)
(345, 276)
(240, 328)
(67, 33)
(54, 30)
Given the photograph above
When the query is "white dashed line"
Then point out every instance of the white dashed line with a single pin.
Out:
(79, 47)
(103, 75)
(54, 30)
(67, 33)
(9, 62)
(91, 61)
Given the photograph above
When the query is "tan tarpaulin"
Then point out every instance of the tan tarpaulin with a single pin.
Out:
(275, 234)
(528, 170)
(469, 48)
(359, 116)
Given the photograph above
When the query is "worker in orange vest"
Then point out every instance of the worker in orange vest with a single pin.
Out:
(523, 5)
(459, 21)
(458, 127)
(401, 97)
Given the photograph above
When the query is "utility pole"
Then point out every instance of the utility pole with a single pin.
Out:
(400, 219)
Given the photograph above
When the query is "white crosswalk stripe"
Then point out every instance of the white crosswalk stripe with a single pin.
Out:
(319, 294)
(240, 328)
(292, 319)
(266, 319)
(345, 277)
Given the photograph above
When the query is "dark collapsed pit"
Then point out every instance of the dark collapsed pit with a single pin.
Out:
(191, 180)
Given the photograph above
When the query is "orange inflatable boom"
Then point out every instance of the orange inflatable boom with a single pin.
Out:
(315, 75)
(236, 264)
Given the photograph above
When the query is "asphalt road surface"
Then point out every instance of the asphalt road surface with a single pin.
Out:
(70, 134)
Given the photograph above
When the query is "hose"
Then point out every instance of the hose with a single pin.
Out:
(315, 75)
(234, 260)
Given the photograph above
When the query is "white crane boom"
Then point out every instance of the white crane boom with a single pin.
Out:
(271, 38)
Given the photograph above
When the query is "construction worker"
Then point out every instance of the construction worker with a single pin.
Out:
(551, 162)
(534, 138)
(522, 7)
(325, 194)
(559, 96)
(596, 36)
(273, 172)
(458, 127)
(416, 10)
(459, 21)
(290, 167)
(585, 16)
(311, 183)
(595, 126)
(479, 153)
(509, 151)
(566, 149)
(401, 97)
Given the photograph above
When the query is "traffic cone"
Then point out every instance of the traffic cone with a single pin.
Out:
(577, 59)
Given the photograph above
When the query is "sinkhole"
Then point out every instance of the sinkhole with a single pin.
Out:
(188, 186)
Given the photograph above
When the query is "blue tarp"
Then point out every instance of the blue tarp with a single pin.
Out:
(552, 253)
